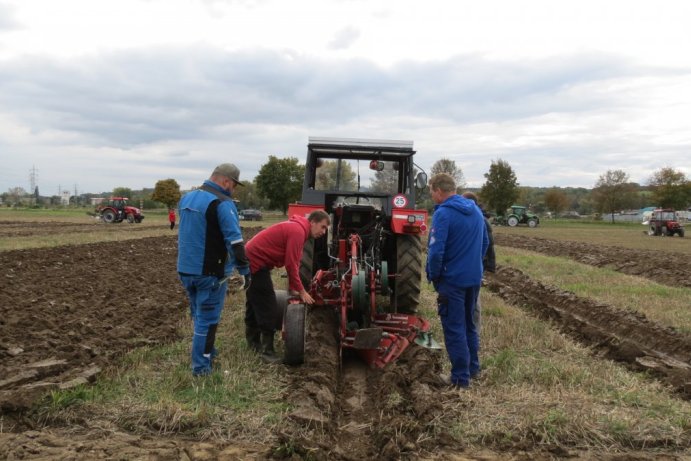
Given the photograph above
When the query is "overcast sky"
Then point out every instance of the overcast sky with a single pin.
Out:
(98, 94)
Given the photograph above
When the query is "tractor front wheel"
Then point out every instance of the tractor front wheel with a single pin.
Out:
(408, 270)
(130, 218)
(512, 221)
(532, 223)
(294, 334)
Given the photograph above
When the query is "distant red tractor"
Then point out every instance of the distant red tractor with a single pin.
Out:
(663, 221)
(116, 209)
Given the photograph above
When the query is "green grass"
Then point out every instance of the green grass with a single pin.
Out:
(153, 389)
(666, 305)
(539, 388)
(628, 235)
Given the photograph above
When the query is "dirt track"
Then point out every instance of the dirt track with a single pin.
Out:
(64, 314)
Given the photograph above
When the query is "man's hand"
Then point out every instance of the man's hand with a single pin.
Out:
(306, 298)
(248, 281)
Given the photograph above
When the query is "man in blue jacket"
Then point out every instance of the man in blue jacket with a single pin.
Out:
(210, 246)
(457, 243)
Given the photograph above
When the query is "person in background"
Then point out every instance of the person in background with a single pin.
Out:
(488, 263)
(210, 246)
(279, 245)
(171, 218)
(457, 243)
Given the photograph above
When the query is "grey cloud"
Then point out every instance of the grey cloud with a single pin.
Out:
(7, 21)
(344, 38)
(199, 100)
(128, 99)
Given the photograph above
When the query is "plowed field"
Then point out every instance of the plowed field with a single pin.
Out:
(66, 313)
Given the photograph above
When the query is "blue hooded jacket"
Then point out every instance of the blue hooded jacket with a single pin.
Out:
(457, 243)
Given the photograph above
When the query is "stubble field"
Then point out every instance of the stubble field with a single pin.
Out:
(586, 353)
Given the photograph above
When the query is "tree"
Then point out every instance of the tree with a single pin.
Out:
(501, 188)
(556, 200)
(248, 197)
(335, 175)
(445, 165)
(167, 191)
(122, 192)
(15, 194)
(385, 181)
(670, 188)
(280, 181)
(613, 192)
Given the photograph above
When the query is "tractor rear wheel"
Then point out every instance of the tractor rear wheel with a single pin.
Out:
(681, 232)
(408, 270)
(108, 216)
(294, 334)
(307, 264)
(512, 221)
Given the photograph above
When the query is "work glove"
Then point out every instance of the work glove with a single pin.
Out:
(248, 281)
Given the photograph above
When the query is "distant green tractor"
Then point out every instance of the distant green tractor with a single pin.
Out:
(517, 215)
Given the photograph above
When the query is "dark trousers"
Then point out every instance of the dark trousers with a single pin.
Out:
(261, 310)
(172, 225)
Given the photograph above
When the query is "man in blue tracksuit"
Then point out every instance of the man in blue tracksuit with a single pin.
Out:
(457, 243)
(209, 247)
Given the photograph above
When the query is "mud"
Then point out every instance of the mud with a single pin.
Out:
(68, 312)
(353, 412)
(674, 270)
(90, 224)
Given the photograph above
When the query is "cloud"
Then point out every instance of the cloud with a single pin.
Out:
(177, 112)
(7, 21)
(344, 38)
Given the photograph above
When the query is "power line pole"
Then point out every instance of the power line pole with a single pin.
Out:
(33, 178)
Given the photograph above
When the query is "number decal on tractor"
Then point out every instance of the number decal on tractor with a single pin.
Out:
(399, 201)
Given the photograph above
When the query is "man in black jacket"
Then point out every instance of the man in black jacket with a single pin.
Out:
(489, 262)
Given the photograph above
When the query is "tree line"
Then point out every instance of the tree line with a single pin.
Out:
(279, 183)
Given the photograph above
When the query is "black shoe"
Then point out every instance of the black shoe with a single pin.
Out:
(270, 358)
(268, 353)
(253, 337)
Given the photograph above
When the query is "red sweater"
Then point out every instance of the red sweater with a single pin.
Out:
(280, 245)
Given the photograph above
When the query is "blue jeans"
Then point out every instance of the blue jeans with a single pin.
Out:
(206, 297)
(456, 308)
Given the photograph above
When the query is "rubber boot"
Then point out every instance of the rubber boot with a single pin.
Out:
(268, 352)
(253, 337)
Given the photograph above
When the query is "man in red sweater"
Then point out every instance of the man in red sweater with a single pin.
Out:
(279, 245)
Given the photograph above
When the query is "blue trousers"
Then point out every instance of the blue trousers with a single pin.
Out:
(456, 308)
(206, 297)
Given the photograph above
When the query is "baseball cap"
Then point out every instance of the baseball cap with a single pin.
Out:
(230, 171)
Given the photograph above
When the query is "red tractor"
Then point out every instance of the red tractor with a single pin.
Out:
(663, 221)
(116, 209)
(368, 267)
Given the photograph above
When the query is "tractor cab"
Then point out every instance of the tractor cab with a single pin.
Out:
(368, 266)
